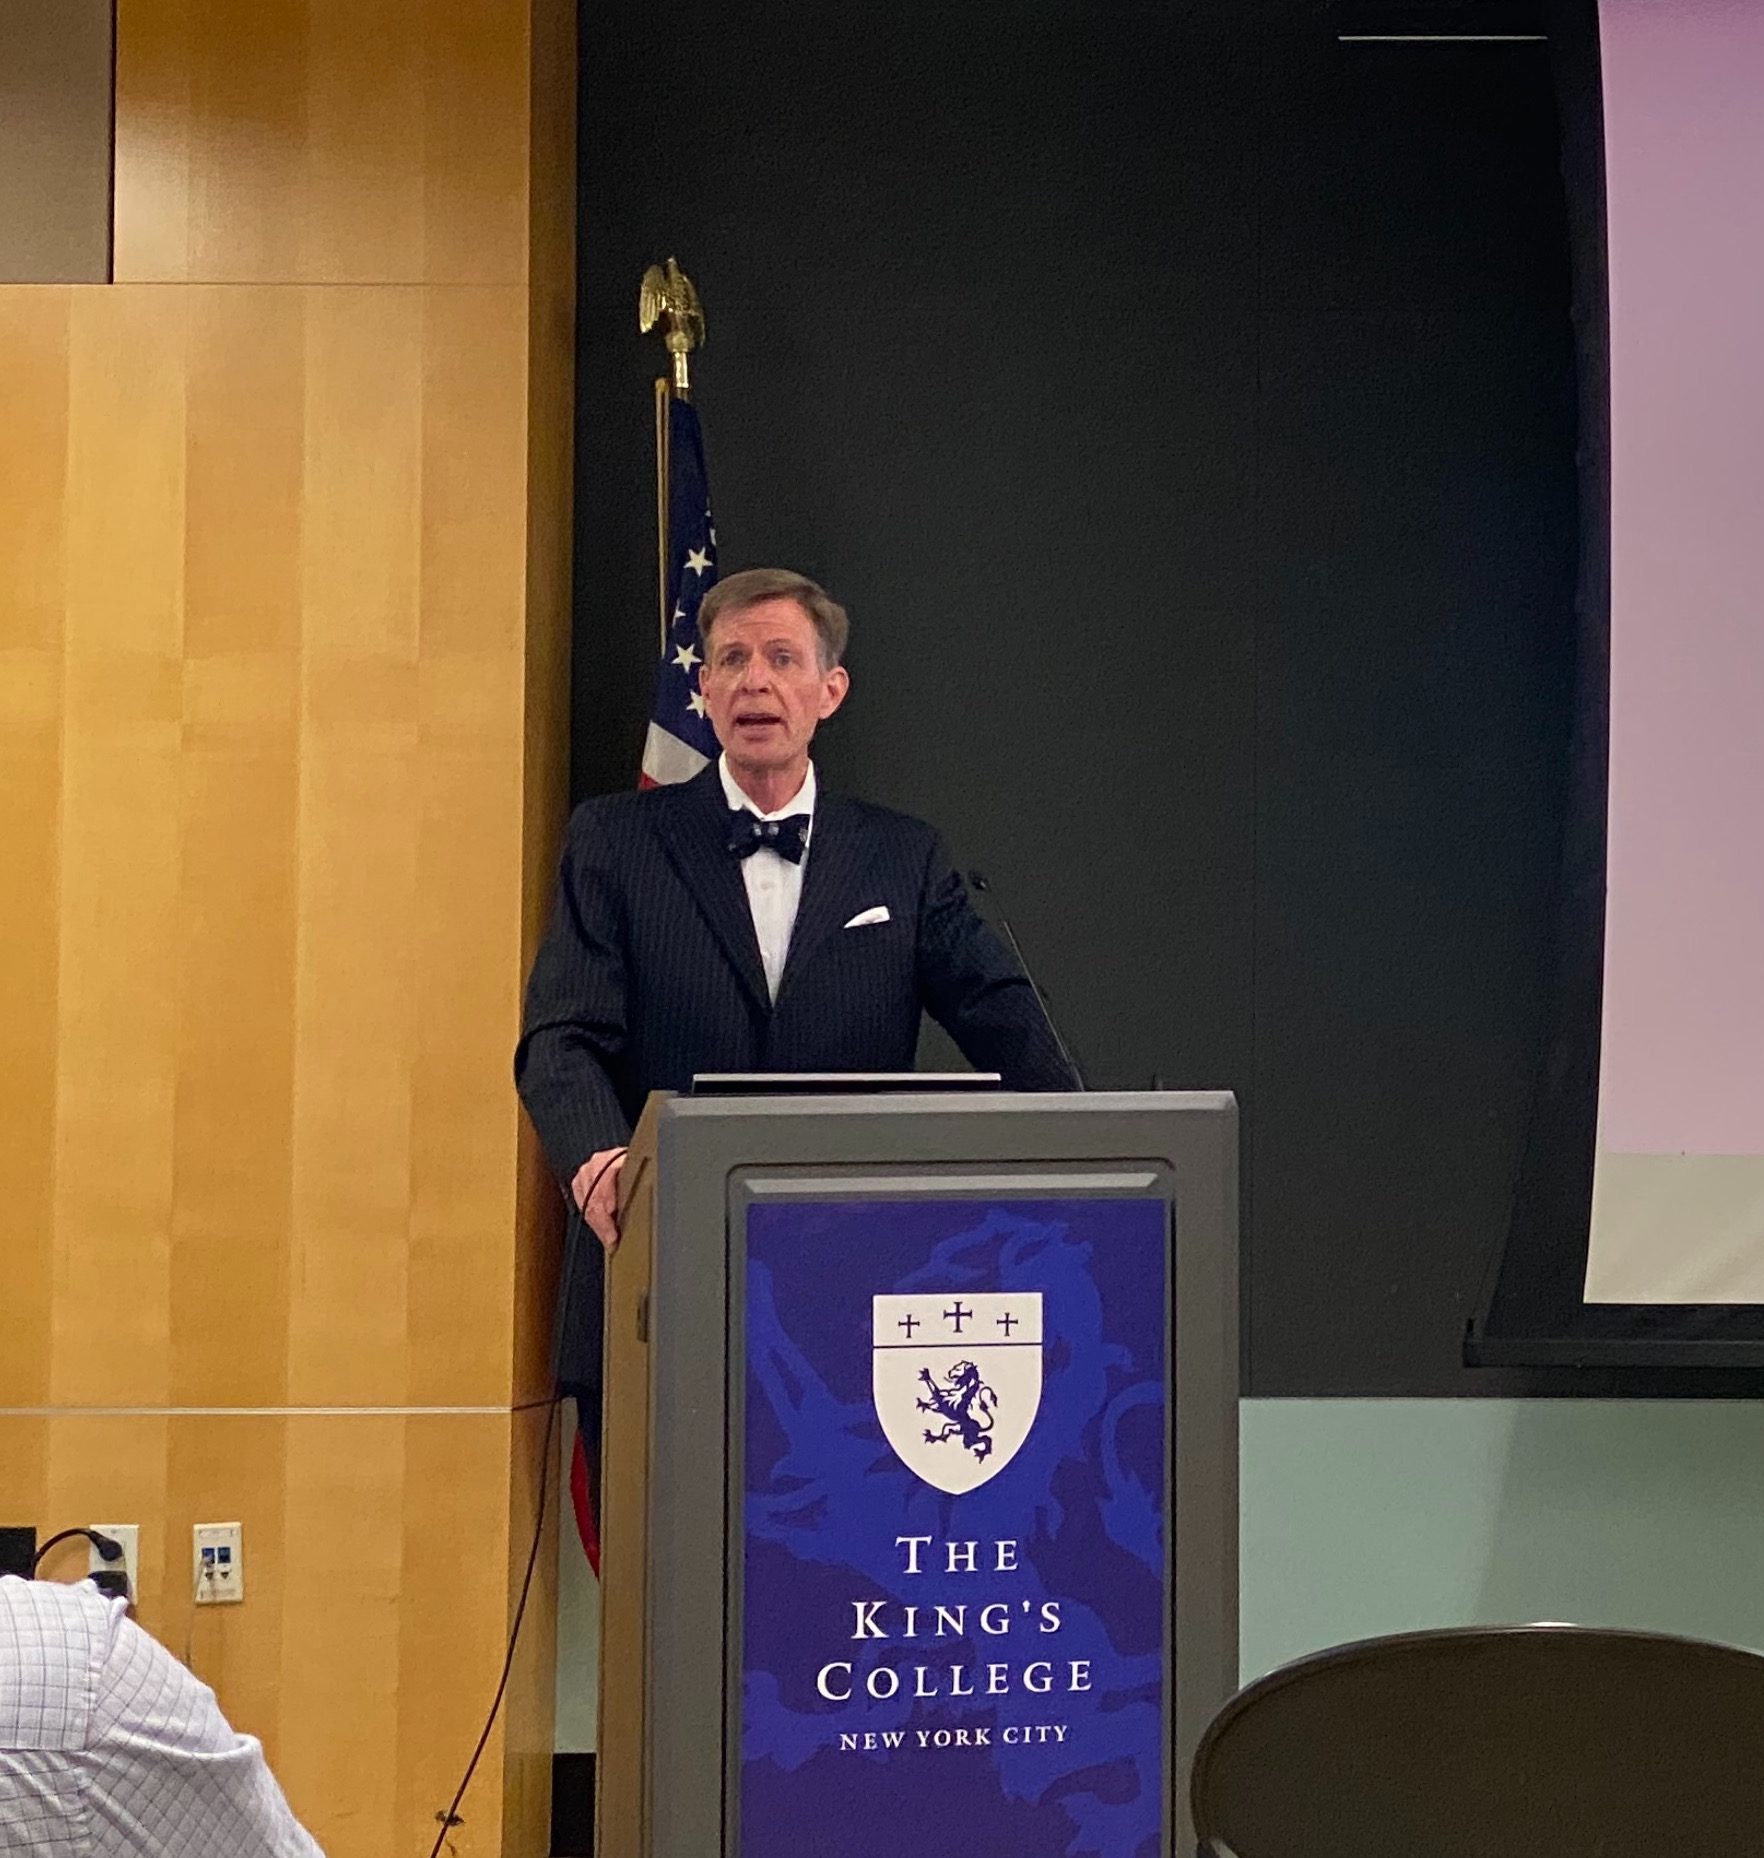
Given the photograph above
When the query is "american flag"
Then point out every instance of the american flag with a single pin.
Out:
(680, 740)
(679, 743)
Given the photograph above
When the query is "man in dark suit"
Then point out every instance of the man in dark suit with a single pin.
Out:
(746, 921)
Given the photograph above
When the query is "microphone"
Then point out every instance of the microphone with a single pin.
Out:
(978, 880)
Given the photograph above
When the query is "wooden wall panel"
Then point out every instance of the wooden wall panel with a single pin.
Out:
(284, 616)
(231, 1217)
(551, 299)
(119, 845)
(476, 492)
(33, 465)
(338, 141)
(269, 628)
(528, 1742)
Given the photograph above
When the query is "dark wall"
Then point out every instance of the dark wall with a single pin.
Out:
(1184, 405)
(57, 141)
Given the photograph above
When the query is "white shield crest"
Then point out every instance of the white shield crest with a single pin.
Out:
(957, 1381)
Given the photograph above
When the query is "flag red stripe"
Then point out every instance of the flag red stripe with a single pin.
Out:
(586, 1527)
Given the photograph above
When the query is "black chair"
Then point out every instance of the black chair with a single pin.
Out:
(1497, 1742)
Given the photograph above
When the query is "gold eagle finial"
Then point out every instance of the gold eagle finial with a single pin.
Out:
(667, 298)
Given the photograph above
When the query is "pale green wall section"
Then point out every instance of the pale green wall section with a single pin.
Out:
(578, 1628)
(1368, 1516)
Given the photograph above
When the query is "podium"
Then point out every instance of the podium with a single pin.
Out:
(919, 1487)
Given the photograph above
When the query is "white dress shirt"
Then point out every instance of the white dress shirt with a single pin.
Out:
(774, 884)
(109, 1748)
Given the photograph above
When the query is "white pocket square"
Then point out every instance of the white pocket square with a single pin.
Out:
(877, 913)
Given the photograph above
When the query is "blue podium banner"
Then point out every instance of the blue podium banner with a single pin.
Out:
(954, 1605)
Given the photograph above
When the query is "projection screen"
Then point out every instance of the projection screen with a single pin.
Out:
(1678, 1182)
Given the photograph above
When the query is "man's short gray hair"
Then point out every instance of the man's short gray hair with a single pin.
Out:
(753, 585)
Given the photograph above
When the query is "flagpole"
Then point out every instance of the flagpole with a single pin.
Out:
(661, 507)
(668, 300)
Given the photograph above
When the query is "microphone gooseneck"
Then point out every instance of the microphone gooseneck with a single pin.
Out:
(981, 885)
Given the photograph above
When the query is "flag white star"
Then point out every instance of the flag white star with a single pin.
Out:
(686, 658)
(695, 703)
(698, 561)
(679, 614)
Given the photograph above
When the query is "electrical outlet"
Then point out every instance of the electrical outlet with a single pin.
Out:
(219, 1550)
(129, 1535)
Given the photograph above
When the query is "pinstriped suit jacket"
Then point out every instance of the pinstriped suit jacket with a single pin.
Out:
(650, 971)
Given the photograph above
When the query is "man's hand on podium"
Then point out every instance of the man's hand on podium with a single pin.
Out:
(596, 1191)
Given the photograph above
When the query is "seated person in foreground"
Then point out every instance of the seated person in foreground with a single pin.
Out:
(109, 1748)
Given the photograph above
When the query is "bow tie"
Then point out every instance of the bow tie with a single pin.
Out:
(786, 837)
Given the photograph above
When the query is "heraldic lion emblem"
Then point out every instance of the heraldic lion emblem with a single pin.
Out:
(956, 1377)
(965, 1404)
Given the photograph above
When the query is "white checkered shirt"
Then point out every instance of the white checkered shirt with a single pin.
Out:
(108, 1746)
